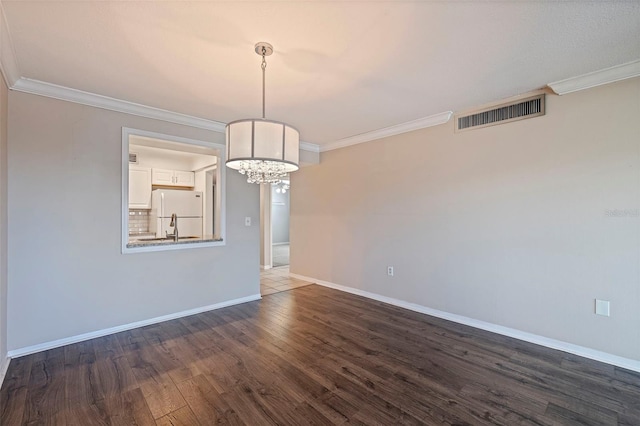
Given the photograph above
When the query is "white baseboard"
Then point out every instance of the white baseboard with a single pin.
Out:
(4, 365)
(280, 244)
(265, 267)
(87, 336)
(582, 351)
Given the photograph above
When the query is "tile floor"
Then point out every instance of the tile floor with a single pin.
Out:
(275, 280)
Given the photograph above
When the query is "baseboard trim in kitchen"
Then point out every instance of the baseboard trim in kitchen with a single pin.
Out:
(16, 353)
(582, 351)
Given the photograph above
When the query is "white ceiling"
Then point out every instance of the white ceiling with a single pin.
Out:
(185, 148)
(339, 68)
(168, 155)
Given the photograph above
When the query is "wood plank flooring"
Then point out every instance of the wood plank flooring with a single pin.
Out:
(313, 355)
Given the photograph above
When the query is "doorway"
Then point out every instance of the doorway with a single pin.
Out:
(274, 225)
(280, 205)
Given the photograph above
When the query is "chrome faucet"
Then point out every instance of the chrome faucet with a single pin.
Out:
(174, 223)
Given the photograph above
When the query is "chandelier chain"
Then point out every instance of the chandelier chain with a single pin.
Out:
(264, 68)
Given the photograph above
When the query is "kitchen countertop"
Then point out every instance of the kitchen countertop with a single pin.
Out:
(140, 241)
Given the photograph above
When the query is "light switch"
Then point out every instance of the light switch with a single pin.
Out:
(247, 221)
(602, 307)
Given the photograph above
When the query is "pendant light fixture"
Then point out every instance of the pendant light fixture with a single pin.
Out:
(264, 150)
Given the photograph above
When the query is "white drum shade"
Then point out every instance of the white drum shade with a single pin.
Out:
(258, 139)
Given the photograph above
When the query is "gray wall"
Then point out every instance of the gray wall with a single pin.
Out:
(67, 275)
(511, 224)
(308, 158)
(3, 220)
(279, 216)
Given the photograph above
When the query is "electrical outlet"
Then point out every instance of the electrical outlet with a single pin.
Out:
(247, 221)
(390, 271)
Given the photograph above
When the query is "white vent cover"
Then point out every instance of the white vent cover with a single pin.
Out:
(529, 107)
(133, 158)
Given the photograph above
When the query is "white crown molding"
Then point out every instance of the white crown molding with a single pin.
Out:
(596, 78)
(308, 146)
(8, 62)
(582, 351)
(421, 123)
(55, 91)
(41, 88)
(16, 353)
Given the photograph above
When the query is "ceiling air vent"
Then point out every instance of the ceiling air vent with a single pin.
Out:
(529, 107)
(133, 158)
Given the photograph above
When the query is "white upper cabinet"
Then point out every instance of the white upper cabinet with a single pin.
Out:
(162, 177)
(185, 178)
(139, 187)
(167, 177)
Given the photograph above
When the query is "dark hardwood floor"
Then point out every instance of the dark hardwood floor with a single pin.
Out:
(314, 356)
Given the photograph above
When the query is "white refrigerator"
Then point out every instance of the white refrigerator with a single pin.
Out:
(186, 204)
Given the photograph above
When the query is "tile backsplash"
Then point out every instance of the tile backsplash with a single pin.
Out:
(138, 221)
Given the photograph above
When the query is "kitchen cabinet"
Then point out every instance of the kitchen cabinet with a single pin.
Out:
(185, 178)
(167, 177)
(161, 177)
(139, 187)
